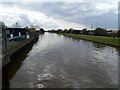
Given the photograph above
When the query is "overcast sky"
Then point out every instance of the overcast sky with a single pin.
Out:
(54, 15)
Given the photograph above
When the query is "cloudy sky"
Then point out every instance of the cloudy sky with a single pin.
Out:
(54, 15)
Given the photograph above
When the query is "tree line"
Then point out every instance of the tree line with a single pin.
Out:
(84, 31)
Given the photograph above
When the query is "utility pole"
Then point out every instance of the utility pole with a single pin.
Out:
(96, 25)
(91, 27)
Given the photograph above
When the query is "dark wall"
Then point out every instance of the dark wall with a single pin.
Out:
(15, 31)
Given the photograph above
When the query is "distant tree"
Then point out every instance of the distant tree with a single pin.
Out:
(42, 30)
(84, 31)
(78, 32)
(65, 31)
(74, 31)
(100, 32)
(70, 30)
(59, 31)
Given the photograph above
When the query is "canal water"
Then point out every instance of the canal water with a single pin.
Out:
(58, 61)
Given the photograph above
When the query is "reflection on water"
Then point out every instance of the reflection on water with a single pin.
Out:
(97, 45)
(57, 61)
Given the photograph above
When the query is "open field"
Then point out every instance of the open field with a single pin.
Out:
(100, 39)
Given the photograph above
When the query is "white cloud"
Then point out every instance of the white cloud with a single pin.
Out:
(96, 9)
(10, 15)
(60, 15)
(66, 24)
(105, 7)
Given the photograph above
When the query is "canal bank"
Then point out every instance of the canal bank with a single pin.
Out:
(114, 42)
(16, 49)
(9, 60)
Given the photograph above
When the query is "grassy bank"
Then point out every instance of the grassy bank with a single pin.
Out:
(17, 46)
(100, 39)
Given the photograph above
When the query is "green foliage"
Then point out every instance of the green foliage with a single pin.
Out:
(59, 31)
(84, 31)
(101, 39)
(70, 30)
(42, 30)
(100, 32)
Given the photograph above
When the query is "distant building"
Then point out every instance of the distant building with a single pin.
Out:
(81, 31)
(110, 31)
(90, 32)
(16, 31)
(114, 31)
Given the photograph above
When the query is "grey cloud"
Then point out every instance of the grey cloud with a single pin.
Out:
(25, 20)
(108, 20)
(72, 12)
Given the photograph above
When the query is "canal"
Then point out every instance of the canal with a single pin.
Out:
(58, 61)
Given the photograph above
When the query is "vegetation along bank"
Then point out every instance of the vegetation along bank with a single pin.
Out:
(98, 39)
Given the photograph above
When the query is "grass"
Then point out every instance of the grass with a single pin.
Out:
(15, 47)
(101, 39)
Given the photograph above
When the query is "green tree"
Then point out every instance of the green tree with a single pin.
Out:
(100, 32)
(70, 30)
(84, 31)
(65, 31)
(42, 30)
(59, 31)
